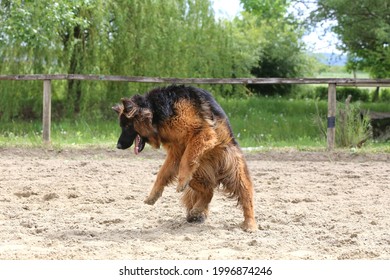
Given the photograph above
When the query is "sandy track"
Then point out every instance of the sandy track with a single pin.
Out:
(88, 204)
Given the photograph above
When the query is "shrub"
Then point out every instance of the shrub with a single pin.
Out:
(342, 93)
(352, 127)
(358, 94)
(385, 95)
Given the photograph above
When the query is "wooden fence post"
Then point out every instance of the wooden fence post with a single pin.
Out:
(331, 133)
(46, 119)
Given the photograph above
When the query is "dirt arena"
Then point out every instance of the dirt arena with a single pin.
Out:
(88, 204)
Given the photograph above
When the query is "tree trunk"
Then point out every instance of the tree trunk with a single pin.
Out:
(75, 65)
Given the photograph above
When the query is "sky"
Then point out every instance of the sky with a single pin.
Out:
(227, 8)
(318, 41)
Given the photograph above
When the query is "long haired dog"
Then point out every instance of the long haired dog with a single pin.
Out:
(202, 153)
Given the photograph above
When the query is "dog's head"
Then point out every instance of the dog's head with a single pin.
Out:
(135, 120)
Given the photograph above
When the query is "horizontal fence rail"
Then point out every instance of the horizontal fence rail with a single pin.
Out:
(232, 81)
(331, 82)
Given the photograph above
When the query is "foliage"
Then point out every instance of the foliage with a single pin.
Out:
(363, 27)
(358, 94)
(377, 95)
(281, 47)
(173, 38)
(266, 9)
(352, 128)
(51, 37)
(385, 95)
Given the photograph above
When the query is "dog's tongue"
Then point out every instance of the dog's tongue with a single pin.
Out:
(136, 146)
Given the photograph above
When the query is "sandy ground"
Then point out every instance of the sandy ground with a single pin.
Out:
(88, 204)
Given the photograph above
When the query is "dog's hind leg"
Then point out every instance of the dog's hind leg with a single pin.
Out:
(237, 183)
(167, 173)
(196, 199)
(245, 194)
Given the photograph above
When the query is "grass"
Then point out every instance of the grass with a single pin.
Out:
(340, 72)
(343, 74)
(256, 122)
(273, 122)
(63, 133)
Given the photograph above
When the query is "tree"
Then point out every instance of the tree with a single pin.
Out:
(363, 26)
(281, 48)
(266, 9)
(54, 36)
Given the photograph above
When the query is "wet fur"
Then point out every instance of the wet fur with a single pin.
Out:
(202, 153)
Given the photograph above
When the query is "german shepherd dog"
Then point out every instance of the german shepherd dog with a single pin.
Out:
(202, 153)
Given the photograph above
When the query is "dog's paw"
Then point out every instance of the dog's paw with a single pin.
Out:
(197, 217)
(249, 226)
(153, 197)
(150, 200)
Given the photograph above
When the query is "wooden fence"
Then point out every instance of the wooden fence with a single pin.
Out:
(332, 84)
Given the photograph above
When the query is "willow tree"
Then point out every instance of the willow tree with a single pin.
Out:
(27, 45)
(53, 37)
(84, 43)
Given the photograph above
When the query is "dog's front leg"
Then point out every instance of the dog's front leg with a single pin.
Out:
(167, 173)
(196, 148)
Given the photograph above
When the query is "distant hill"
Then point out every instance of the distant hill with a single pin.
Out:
(331, 59)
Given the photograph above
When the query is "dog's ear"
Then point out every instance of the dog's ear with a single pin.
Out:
(127, 104)
(117, 108)
(146, 114)
(129, 107)
(146, 118)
